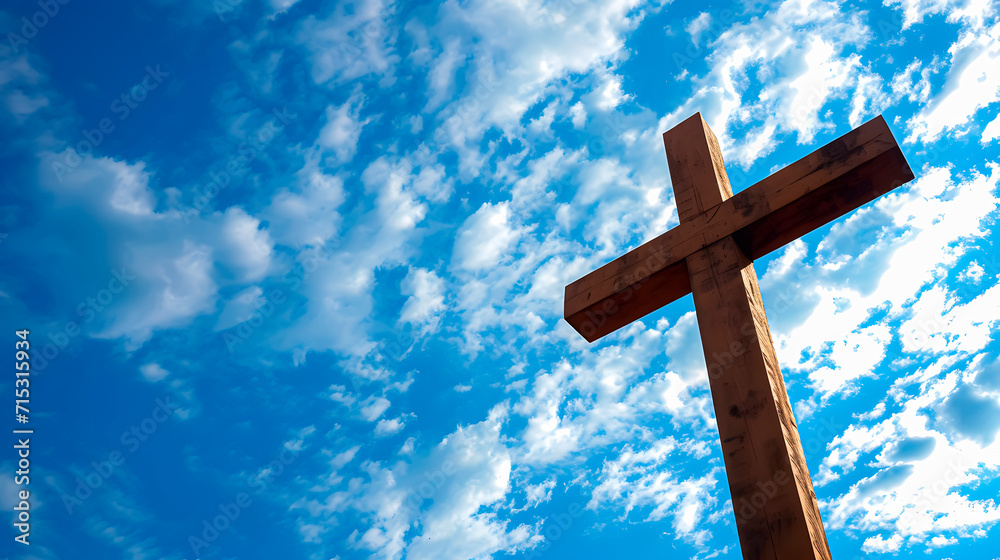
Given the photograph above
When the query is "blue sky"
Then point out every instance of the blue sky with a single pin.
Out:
(296, 269)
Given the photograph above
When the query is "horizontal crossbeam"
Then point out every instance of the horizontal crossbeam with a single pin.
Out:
(815, 190)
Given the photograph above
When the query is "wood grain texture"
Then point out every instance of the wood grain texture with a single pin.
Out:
(835, 179)
(694, 158)
(777, 516)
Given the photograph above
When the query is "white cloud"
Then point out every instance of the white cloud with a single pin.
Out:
(903, 84)
(22, 105)
(374, 408)
(941, 541)
(973, 273)
(153, 372)
(542, 125)
(110, 187)
(344, 457)
(340, 394)
(339, 284)
(486, 238)
(537, 494)
(348, 44)
(408, 446)
(698, 26)
(884, 268)
(578, 115)
(174, 262)
(610, 94)
(433, 183)
(777, 72)
(441, 78)
(515, 51)
(939, 326)
(21, 86)
(637, 479)
(244, 246)
(298, 443)
(826, 73)
(971, 84)
(442, 504)
(282, 5)
(856, 356)
(872, 414)
(416, 124)
(881, 545)
(311, 533)
(919, 473)
(572, 408)
(916, 11)
(388, 426)
(456, 526)
(240, 307)
(343, 128)
(172, 288)
(991, 131)
(869, 99)
(426, 301)
(613, 203)
(307, 215)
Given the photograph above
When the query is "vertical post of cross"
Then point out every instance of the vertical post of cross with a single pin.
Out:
(777, 516)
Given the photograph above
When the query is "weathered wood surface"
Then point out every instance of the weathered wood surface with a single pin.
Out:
(777, 516)
(815, 190)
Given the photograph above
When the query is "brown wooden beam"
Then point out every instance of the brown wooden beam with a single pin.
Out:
(695, 159)
(815, 190)
(777, 517)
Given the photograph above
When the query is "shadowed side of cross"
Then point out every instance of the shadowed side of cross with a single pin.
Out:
(710, 254)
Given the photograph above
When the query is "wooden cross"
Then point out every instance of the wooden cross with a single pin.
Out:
(710, 254)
